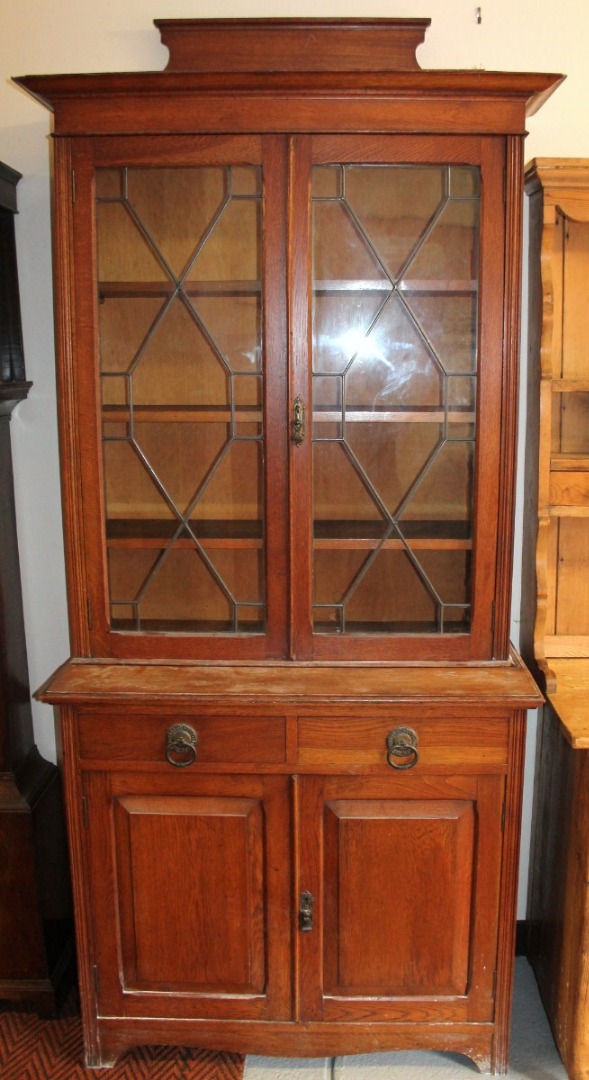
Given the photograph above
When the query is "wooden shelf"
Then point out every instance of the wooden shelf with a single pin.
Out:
(367, 535)
(121, 290)
(411, 414)
(151, 533)
(165, 414)
(114, 290)
(405, 627)
(430, 544)
(159, 414)
(570, 386)
(424, 287)
(329, 535)
(184, 626)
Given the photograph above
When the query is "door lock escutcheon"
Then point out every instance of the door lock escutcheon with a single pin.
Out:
(306, 904)
(298, 421)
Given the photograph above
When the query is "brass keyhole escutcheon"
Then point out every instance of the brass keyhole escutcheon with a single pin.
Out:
(298, 421)
(306, 904)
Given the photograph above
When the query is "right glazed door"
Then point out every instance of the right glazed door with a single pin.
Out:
(397, 362)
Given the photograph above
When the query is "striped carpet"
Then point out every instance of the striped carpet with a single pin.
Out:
(38, 1049)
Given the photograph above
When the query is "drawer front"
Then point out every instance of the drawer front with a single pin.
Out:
(218, 739)
(440, 741)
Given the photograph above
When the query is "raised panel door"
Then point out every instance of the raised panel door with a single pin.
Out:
(405, 878)
(174, 869)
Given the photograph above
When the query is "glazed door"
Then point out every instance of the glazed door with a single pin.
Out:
(189, 916)
(404, 879)
(391, 336)
(398, 373)
(183, 518)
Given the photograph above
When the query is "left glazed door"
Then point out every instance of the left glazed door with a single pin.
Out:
(171, 351)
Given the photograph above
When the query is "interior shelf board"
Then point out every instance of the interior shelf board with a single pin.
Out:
(453, 287)
(410, 415)
(420, 534)
(186, 626)
(378, 628)
(253, 414)
(570, 386)
(113, 290)
(422, 544)
(181, 413)
(152, 533)
(213, 543)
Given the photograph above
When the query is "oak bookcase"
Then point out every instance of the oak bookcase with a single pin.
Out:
(288, 306)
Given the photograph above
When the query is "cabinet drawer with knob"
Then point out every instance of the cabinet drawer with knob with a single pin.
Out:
(181, 740)
(402, 741)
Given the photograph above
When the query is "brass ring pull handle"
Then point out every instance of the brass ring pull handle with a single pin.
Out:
(402, 752)
(181, 743)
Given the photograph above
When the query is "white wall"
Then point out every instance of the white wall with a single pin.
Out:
(117, 35)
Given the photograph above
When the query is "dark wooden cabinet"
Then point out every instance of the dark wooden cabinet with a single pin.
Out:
(36, 956)
(288, 294)
(246, 849)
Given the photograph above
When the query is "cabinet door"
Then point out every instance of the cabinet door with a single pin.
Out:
(404, 877)
(398, 362)
(189, 891)
(177, 319)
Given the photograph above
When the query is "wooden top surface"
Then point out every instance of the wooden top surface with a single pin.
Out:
(93, 681)
(533, 88)
(570, 700)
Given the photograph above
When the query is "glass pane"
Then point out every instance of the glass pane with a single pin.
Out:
(390, 596)
(180, 332)
(395, 302)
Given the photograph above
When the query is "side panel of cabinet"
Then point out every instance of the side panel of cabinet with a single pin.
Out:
(405, 876)
(189, 889)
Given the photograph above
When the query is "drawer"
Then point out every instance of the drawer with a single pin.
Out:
(441, 741)
(144, 737)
